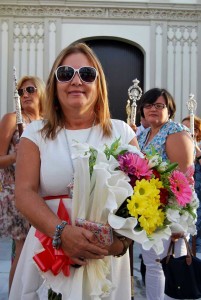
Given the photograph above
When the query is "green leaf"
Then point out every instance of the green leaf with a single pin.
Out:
(170, 168)
(112, 149)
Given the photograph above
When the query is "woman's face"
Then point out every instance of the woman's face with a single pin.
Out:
(155, 116)
(76, 95)
(29, 99)
(188, 124)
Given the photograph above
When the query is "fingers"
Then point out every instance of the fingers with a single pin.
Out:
(81, 243)
(79, 261)
(134, 127)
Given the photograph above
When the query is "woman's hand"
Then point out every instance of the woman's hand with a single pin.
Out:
(134, 127)
(80, 244)
(12, 157)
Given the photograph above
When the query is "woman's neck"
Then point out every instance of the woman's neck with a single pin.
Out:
(155, 129)
(31, 116)
(80, 122)
(152, 132)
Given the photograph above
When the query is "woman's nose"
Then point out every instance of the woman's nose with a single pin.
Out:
(76, 79)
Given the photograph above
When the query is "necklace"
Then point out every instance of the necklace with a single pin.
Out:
(71, 184)
(29, 119)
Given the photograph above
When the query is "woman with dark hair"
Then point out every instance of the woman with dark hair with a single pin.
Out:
(31, 90)
(76, 110)
(173, 142)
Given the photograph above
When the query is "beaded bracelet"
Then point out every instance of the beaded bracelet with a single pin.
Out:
(56, 240)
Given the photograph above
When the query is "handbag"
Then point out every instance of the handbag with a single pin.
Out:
(182, 274)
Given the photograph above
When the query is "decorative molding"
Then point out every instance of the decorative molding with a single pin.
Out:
(28, 30)
(147, 13)
(183, 34)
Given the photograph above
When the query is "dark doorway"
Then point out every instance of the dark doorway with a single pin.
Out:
(122, 63)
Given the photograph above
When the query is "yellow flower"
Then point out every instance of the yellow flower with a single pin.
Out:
(150, 224)
(144, 204)
(136, 206)
(157, 183)
(146, 189)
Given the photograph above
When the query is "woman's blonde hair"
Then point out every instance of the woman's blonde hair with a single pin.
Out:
(54, 114)
(39, 85)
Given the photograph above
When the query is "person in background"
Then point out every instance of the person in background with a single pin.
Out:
(143, 125)
(12, 224)
(197, 175)
(168, 138)
(77, 110)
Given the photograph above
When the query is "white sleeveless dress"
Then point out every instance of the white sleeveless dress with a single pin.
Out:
(55, 174)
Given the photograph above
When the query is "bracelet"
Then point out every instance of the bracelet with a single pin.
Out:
(198, 157)
(56, 240)
(125, 244)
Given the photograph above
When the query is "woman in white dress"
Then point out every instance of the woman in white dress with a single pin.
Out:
(77, 110)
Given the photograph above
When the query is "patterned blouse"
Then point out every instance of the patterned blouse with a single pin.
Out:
(159, 140)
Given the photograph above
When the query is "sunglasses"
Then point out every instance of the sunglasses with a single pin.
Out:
(158, 106)
(28, 89)
(67, 73)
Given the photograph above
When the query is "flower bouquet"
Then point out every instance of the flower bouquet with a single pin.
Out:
(162, 199)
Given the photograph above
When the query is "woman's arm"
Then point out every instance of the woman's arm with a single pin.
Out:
(76, 242)
(7, 129)
(180, 149)
(134, 142)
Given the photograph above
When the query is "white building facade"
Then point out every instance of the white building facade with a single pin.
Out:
(167, 32)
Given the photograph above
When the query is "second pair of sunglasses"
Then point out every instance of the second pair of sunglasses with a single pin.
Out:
(28, 89)
(67, 73)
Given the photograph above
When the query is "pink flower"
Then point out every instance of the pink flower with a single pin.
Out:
(180, 187)
(133, 164)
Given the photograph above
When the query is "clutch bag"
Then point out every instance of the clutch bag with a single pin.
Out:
(103, 232)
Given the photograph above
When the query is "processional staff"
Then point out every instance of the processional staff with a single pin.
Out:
(191, 105)
(18, 110)
(134, 94)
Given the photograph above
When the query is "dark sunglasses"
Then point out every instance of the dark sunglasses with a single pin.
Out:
(28, 89)
(66, 73)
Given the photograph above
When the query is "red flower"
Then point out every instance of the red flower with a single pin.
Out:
(164, 196)
(156, 174)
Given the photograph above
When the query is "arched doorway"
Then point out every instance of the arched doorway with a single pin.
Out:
(122, 63)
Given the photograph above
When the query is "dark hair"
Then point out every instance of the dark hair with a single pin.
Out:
(152, 95)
